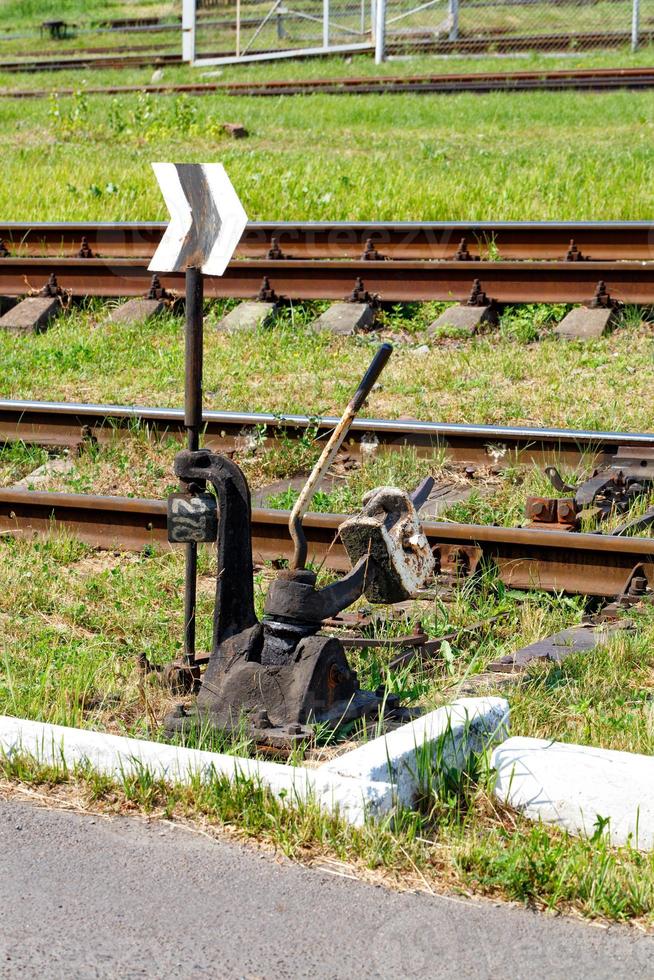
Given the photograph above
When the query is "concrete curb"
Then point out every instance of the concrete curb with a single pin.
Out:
(571, 785)
(369, 781)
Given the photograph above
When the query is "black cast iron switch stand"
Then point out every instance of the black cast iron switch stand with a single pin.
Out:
(277, 678)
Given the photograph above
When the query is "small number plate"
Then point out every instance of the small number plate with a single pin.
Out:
(192, 517)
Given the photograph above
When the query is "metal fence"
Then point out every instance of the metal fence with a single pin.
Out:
(224, 31)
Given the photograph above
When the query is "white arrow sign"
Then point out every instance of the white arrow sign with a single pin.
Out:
(207, 218)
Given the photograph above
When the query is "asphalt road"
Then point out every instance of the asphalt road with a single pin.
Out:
(95, 897)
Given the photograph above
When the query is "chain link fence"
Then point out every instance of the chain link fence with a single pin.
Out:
(245, 30)
(507, 26)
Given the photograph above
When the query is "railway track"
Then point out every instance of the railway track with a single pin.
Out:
(631, 240)
(60, 424)
(320, 279)
(592, 80)
(525, 558)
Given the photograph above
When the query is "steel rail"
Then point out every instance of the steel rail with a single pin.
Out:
(525, 558)
(68, 424)
(595, 79)
(628, 240)
(398, 281)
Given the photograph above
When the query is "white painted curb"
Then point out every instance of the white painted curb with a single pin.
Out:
(369, 781)
(571, 785)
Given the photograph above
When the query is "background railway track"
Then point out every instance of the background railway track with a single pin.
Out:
(592, 80)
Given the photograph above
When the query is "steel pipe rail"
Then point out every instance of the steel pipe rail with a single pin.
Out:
(630, 240)
(592, 80)
(525, 558)
(67, 424)
(398, 281)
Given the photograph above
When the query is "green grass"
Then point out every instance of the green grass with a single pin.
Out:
(290, 368)
(75, 623)
(496, 157)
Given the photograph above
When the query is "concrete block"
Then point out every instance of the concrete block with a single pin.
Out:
(367, 782)
(469, 318)
(31, 314)
(571, 785)
(443, 495)
(447, 737)
(249, 316)
(345, 319)
(136, 310)
(584, 324)
(41, 475)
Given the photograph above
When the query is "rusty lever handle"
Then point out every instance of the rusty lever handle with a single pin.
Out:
(377, 365)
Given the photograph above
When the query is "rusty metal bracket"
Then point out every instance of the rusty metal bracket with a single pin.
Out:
(602, 299)
(574, 254)
(635, 589)
(85, 250)
(562, 513)
(610, 489)
(52, 287)
(361, 295)
(275, 252)
(266, 293)
(370, 253)
(457, 562)
(478, 297)
(157, 291)
(463, 254)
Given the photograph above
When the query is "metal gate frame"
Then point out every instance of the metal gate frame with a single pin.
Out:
(189, 19)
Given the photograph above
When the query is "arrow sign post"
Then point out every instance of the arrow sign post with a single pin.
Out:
(207, 221)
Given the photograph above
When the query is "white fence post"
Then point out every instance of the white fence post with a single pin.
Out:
(635, 24)
(188, 30)
(325, 23)
(454, 19)
(380, 32)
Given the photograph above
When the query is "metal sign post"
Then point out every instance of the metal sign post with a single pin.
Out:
(207, 221)
(192, 422)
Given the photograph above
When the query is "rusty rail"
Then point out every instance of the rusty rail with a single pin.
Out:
(586, 79)
(599, 240)
(525, 558)
(398, 281)
(66, 424)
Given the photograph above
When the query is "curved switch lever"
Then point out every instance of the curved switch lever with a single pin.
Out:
(328, 454)
(556, 480)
